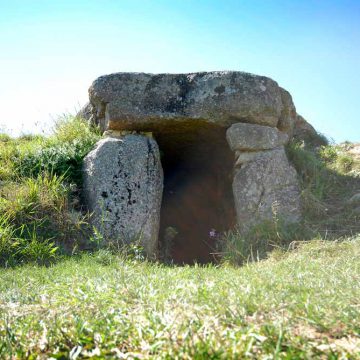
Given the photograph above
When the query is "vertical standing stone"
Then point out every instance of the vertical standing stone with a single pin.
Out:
(123, 184)
(265, 185)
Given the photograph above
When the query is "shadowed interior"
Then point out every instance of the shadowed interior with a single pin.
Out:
(197, 196)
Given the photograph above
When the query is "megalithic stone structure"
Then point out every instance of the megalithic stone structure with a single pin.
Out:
(224, 128)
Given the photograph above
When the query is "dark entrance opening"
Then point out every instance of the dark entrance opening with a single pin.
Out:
(197, 199)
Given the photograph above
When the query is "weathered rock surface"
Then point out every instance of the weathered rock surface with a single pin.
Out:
(140, 101)
(265, 187)
(303, 127)
(85, 112)
(288, 114)
(306, 132)
(123, 183)
(250, 137)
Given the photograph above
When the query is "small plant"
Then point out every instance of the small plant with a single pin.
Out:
(345, 163)
(311, 170)
(135, 252)
(337, 158)
(8, 242)
(104, 257)
(34, 249)
(23, 245)
(69, 128)
(97, 238)
(130, 248)
(328, 153)
(238, 246)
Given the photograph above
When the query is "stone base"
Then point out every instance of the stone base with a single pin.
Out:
(123, 184)
(266, 187)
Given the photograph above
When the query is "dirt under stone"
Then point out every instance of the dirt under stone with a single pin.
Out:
(197, 200)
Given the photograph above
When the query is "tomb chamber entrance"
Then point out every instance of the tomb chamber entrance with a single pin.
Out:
(197, 204)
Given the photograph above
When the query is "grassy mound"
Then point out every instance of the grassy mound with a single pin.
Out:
(40, 178)
(299, 305)
(329, 176)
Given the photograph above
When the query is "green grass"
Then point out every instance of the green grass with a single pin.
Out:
(328, 176)
(238, 248)
(59, 154)
(37, 221)
(299, 304)
(41, 217)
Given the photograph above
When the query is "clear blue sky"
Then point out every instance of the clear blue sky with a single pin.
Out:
(52, 50)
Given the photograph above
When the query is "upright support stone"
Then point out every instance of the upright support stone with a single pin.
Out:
(265, 185)
(123, 184)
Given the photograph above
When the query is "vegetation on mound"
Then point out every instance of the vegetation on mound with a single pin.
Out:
(40, 213)
(296, 305)
(60, 154)
(41, 216)
(329, 176)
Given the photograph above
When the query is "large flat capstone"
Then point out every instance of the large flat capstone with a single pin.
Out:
(151, 102)
(123, 184)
